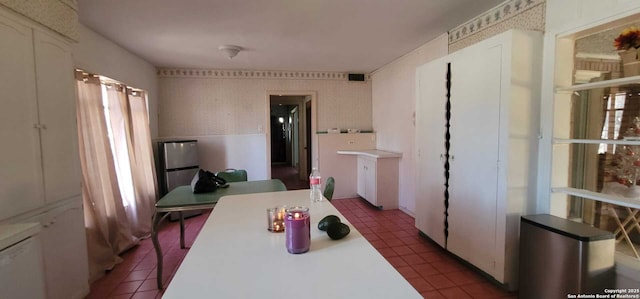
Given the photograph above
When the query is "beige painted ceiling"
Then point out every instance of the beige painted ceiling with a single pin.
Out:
(296, 35)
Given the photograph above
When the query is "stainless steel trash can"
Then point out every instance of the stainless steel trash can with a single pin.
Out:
(559, 257)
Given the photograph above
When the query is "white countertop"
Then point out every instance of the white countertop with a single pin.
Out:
(374, 153)
(235, 256)
(13, 233)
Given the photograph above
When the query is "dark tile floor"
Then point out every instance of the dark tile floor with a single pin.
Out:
(428, 268)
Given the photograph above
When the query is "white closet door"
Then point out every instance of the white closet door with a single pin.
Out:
(475, 121)
(56, 100)
(430, 136)
(20, 175)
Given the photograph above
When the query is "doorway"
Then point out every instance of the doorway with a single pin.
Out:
(290, 138)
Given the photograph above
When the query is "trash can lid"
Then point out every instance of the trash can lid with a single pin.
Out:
(571, 229)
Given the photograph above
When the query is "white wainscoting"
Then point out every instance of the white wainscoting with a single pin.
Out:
(218, 152)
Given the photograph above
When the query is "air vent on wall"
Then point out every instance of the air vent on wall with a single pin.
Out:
(356, 77)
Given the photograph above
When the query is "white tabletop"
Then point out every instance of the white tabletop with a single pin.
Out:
(235, 256)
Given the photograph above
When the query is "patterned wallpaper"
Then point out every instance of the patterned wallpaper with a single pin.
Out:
(58, 15)
(221, 102)
(511, 14)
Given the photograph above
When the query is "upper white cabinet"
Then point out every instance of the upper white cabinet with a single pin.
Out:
(21, 172)
(57, 116)
(476, 143)
(38, 121)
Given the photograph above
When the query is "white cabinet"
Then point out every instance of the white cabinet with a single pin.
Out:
(57, 117)
(367, 179)
(40, 177)
(38, 119)
(471, 193)
(21, 261)
(377, 177)
(64, 249)
(430, 134)
(21, 172)
(474, 156)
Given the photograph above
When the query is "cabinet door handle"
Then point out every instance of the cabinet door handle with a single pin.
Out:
(44, 127)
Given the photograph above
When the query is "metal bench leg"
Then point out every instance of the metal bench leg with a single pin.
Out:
(156, 244)
(181, 230)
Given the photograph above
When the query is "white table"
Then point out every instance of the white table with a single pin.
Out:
(235, 256)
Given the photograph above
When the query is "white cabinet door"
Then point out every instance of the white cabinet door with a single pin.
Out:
(361, 178)
(367, 179)
(430, 136)
(21, 270)
(20, 173)
(475, 122)
(371, 182)
(57, 110)
(65, 257)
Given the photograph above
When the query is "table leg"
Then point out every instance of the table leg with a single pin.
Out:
(623, 231)
(181, 230)
(156, 244)
(631, 218)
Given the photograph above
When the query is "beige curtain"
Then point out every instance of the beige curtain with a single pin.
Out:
(134, 157)
(143, 167)
(107, 226)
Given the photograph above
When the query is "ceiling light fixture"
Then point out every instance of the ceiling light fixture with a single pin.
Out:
(230, 50)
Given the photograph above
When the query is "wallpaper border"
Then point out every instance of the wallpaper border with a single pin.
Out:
(493, 17)
(253, 74)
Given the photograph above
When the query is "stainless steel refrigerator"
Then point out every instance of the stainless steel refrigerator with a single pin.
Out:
(177, 164)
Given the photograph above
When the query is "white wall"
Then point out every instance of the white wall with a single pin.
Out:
(98, 55)
(394, 103)
(229, 115)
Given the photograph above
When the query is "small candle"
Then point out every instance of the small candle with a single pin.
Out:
(275, 219)
(297, 230)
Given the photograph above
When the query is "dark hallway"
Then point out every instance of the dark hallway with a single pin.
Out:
(289, 176)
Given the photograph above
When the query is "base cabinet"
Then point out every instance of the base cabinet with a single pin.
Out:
(378, 181)
(367, 179)
(476, 138)
(64, 250)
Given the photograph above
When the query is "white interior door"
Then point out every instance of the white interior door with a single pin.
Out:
(475, 121)
(430, 131)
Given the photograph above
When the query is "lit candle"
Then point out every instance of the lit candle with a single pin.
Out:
(297, 223)
(275, 219)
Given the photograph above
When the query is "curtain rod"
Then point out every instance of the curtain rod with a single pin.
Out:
(108, 81)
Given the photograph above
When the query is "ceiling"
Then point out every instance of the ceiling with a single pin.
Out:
(600, 45)
(297, 35)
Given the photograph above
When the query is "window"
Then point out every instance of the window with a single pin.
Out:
(595, 175)
(119, 149)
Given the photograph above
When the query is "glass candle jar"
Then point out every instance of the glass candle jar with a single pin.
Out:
(297, 229)
(275, 219)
